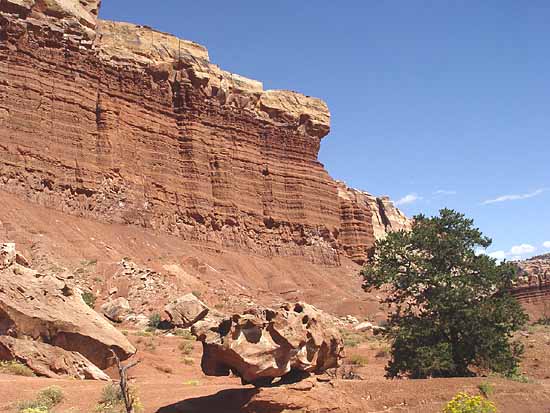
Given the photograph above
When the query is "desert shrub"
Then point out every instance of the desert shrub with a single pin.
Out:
(154, 320)
(358, 360)
(183, 333)
(188, 361)
(89, 298)
(185, 347)
(112, 401)
(352, 338)
(450, 307)
(485, 388)
(464, 403)
(516, 375)
(15, 368)
(44, 402)
(51, 396)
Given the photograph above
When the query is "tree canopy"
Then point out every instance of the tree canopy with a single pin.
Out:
(450, 310)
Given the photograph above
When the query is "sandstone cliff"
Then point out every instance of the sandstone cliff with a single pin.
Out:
(123, 123)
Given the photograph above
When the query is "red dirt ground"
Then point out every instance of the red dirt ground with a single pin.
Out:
(167, 384)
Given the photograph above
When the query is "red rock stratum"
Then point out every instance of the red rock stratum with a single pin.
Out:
(126, 124)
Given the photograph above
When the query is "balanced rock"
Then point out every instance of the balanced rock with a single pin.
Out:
(116, 310)
(262, 344)
(186, 310)
(49, 361)
(45, 308)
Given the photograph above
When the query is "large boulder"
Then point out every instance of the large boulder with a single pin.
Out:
(49, 361)
(45, 308)
(262, 344)
(116, 310)
(186, 311)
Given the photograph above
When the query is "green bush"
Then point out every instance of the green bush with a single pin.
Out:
(51, 396)
(358, 360)
(89, 299)
(44, 402)
(464, 403)
(16, 368)
(183, 333)
(154, 320)
(186, 348)
(112, 401)
(485, 388)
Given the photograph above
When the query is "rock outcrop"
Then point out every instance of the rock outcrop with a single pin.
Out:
(186, 311)
(366, 219)
(122, 123)
(116, 310)
(49, 361)
(45, 308)
(263, 344)
(535, 271)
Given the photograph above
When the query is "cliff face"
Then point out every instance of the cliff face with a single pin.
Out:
(122, 123)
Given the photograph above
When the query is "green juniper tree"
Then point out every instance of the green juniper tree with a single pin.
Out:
(450, 310)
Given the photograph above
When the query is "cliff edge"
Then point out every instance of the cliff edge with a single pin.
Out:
(122, 123)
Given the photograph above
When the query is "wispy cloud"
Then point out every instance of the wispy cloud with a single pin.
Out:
(408, 199)
(546, 244)
(444, 192)
(514, 197)
(517, 252)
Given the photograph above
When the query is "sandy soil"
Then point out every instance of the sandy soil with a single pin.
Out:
(170, 381)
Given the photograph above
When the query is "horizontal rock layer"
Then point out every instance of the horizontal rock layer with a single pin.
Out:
(139, 127)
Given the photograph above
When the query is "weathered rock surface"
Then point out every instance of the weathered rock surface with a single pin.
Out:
(535, 271)
(46, 360)
(366, 219)
(116, 310)
(186, 311)
(139, 127)
(263, 344)
(45, 308)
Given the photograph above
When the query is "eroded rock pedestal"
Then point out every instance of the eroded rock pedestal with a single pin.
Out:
(262, 344)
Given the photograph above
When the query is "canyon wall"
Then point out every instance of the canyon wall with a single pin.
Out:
(122, 123)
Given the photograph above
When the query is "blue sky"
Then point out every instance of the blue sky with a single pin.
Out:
(434, 103)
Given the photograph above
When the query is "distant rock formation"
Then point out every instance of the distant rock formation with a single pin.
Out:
(122, 123)
(535, 271)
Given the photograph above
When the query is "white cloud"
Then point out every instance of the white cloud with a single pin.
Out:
(444, 192)
(546, 244)
(516, 253)
(514, 197)
(408, 199)
(499, 255)
(522, 249)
